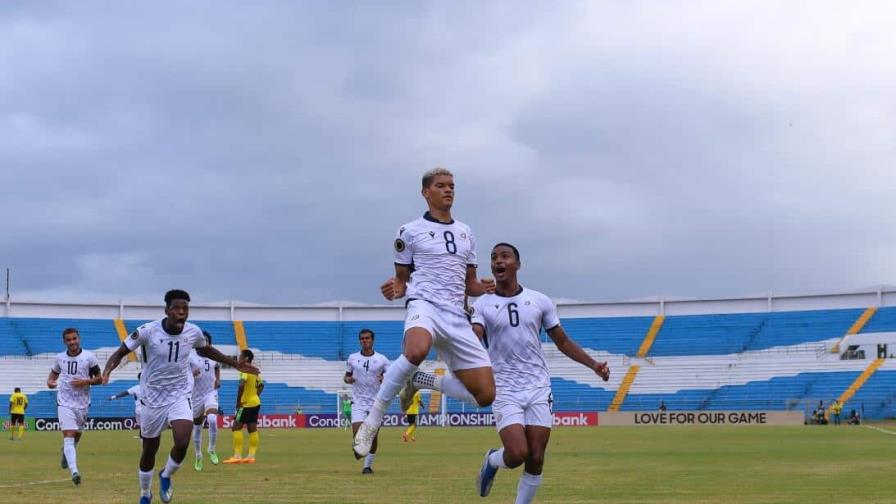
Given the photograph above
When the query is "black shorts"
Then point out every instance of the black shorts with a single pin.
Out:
(16, 418)
(412, 419)
(247, 415)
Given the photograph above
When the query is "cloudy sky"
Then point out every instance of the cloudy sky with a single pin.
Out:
(268, 151)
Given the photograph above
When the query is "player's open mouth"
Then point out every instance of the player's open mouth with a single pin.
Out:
(500, 269)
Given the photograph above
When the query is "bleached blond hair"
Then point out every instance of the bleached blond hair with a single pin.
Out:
(429, 176)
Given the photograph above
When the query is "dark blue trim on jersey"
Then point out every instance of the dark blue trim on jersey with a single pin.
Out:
(430, 218)
(517, 293)
(551, 329)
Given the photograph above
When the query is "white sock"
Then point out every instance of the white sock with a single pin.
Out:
(68, 448)
(496, 459)
(447, 384)
(145, 481)
(368, 460)
(197, 439)
(527, 487)
(394, 378)
(212, 431)
(171, 467)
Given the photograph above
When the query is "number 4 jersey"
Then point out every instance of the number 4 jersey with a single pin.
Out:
(166, 371)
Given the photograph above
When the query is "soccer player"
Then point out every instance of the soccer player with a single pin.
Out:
(207, 380)
(346, 411)
(248, 404)
(435, 265)
(18, 403)
(509, 323)
(134, 391)
(364, 372)
(411, 413)
(166, 384)
(73, 372)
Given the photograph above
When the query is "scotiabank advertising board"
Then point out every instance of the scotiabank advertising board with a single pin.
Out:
(269, 421)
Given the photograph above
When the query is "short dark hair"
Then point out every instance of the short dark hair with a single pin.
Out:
(175, 294)
(368, 331)
(207, 336)
(431, 175)
(248, 354)
(69, 330)
(511, 247)
(17, 389)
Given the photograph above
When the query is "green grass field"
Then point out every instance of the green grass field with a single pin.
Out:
(605, 464)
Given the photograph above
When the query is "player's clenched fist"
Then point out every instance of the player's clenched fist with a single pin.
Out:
(488, 285)
(602, 370)
(393, 289)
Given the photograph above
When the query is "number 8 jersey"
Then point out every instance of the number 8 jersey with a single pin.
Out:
(166, 361)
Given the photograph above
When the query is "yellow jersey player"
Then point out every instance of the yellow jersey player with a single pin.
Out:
(248, 404)
(18, 403)
(412, 412)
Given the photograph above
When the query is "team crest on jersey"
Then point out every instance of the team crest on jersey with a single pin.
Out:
(399, 245)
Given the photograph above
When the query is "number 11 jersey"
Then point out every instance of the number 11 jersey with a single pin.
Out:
(166, 375)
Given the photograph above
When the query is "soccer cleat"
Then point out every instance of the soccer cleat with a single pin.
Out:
(367, 470)
(234, 460)
(248, 460)
(364, 440)
(486, 475)
(406, 396)
(165, 490)
(198, 463)
(145, 499)
(213, 457)
(76, 478)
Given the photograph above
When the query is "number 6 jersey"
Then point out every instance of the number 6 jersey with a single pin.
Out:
(166, 361)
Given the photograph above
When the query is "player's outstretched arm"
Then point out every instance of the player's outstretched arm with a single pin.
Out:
(572, 350)
(114, 361)
(119, 395)
(214, 354)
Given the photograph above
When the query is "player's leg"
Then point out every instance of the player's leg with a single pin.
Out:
(237, 439)
(368, 460)
(537, 439)
(197, 441)
(254, 439)
(70, 454)
(480, 382)
(152, 422)
(509, 418)
(70, 422)
(211, 417)
(180, 417)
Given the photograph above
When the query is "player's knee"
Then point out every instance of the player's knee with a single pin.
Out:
(415, 355)
(485, 397)
(535, 462)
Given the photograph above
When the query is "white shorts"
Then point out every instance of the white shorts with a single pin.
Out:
(71, 418)
(138, 409)
(360, 412)
(524, 407)
(209, 402)
(451, 333)
(154, 420)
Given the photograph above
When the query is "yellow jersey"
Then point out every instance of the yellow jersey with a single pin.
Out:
(17, 403)
(414, 408)
(250, 383)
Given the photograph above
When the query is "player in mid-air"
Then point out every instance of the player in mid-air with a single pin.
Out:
(207, 380)
(435, 266)
(167, 385)
(364, 372)
(248, 405)
(509, 323)
(73, 372)
(18, 403)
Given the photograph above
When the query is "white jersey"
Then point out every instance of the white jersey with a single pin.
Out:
(166, 375)
(438, 255)
(366, 370)
(512, 327)
(204, 382)
(134, 391)
(73, 368)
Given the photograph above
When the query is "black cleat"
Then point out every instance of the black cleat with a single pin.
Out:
(367, 470)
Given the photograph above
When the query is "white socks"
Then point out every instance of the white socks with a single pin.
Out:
(368, 460)
(447, 384)
(171, 467)
(393, 381)
(145, 481)
(212, 431)
(68, 449)
(496, 459)
(527, 488)
(197, 440)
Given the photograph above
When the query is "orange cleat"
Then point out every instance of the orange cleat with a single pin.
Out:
(234, 460)
(249, 460)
